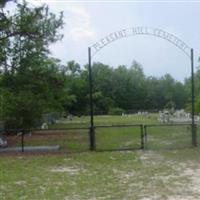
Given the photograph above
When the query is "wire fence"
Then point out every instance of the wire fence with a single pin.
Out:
(51, 140)
(167, 136)
(107, 138)
(119, 137)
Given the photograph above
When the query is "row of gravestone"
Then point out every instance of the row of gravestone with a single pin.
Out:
(176, 116)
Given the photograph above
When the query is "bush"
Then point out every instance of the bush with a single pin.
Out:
(115, 111)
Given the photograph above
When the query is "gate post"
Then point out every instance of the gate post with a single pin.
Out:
(142, 136)
(194, 136)
(92, 131)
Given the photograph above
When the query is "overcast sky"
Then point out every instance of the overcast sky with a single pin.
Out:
(87, 22)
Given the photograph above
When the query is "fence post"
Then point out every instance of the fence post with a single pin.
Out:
(145, 136)
(92, 138)
(22, 140)
(142, 136)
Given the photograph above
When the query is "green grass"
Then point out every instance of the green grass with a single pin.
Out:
(168, 169)
(118, 138)
(84, 121)
(103, 175)
(169, 137)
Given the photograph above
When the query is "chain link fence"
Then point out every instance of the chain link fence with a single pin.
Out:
(107, 138)
(167, 136)
(119, 137)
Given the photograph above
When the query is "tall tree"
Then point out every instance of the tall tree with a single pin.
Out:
(77, 86)
(31, 80)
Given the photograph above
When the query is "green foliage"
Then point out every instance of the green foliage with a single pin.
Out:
(128, 88)
(77, 86)
(197, 106)
(31, 82)
(196, 90)
(170, 105)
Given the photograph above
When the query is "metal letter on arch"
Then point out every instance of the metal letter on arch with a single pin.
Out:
(140, 30)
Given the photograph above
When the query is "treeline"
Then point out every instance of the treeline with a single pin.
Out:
(123, 89)
(33, 83)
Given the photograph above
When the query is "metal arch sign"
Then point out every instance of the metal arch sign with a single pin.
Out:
(123, 33)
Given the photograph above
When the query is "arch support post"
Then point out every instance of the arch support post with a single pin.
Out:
(91, 130)
(194, 135)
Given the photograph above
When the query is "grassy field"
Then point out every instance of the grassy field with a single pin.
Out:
(84, 121)
(169, 168)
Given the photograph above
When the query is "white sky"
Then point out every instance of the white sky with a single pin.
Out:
(88, 21)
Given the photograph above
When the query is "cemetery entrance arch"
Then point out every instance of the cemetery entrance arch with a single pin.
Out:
(124, 33)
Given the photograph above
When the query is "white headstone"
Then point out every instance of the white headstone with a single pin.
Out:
(3, 143)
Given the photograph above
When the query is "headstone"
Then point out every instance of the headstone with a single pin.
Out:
(69, 117)
(44, 126)
(164, 116)
(3, 143)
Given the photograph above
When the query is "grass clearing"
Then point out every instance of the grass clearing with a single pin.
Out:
(118, 138)
(152, 174)
(102, 175)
